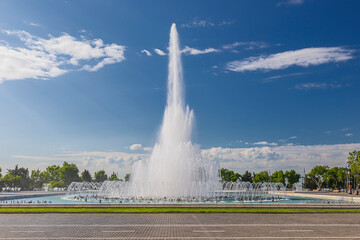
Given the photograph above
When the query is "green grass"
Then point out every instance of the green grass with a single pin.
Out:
(175, 210)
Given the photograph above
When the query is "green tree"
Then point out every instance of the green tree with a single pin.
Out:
(353, 162)
(317, 175)
(100, 176)
(292, 178)
(58, 184)
(11, 180)
(229, 176)
(246, 177)
(86, 176)
(23, 181)
(261, 177)
(278, 176)
(113, 177)
(335, 177)
(0, 172)
(37, 178)
(127, 177)
(69, 173)
(52, 173)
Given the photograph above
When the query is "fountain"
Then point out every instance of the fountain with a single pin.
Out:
(176, 170)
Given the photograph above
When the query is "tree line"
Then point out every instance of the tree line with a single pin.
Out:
(319, 177)
(55, 175)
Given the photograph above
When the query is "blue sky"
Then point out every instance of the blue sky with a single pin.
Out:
(274, 84)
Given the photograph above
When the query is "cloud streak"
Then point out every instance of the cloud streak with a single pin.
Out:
(308, 86)
(194, 51)
(302, 58)
(204, 23)
(42, 58)
(148, 53)
(159, 52)
(248, 45)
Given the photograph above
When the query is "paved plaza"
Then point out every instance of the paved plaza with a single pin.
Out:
(179, 226)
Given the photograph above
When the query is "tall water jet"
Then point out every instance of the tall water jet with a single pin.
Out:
(175, 168)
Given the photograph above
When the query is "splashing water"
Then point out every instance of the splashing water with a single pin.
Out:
(175, 168)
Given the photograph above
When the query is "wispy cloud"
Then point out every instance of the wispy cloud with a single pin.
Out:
(303, 58)
(291, 2)
(45, 58)
(349, 134)
(246, 45)
(148, 53)
(308, 86)
(32, 24)
(204, 23)
(159, 52)
(266, 143)
(194, 51)
(270, 79)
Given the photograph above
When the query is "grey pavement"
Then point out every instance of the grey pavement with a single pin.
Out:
(179, 226)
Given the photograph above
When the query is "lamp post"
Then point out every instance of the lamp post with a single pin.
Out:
(348, 179)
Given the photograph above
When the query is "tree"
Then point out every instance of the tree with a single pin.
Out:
(113, 177)
(292, 178)
(317, 175)
(11, 180)
(69, 173)
(335, 177)
(127, 177)
(353, 162)
(23, 180)
(278, 176)
(100, 176)
(246, 177)
(229, 176)
(37, 178)
(58, 184)
(86, 176)
(261, 177)
(52, 173)
(0, 172)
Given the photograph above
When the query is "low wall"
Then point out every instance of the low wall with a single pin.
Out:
(349, 198)
(4, 196)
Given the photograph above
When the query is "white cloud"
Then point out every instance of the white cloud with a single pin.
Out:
(292, 137)
(159, 52)
(307, 86)
(45, 58)
(247, 45)
(146, 52)
(349, 134)
(147, 149)
(136, 146)
(345, 129)
(303, 58)
(281, 157)
(239, 159)
(194, 51)
(205, 23)
(32, 24)
(266, 143)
